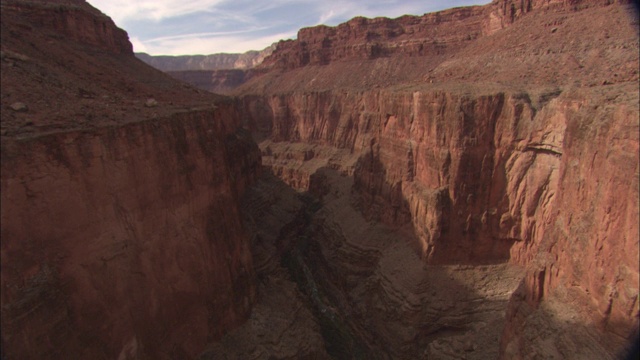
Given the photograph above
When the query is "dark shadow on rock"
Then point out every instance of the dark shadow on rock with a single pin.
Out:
(445, 230)
(554, 327)
(371, 292)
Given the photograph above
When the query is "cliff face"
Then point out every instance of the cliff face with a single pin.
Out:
(483, 148)
(125, 241)
(585, 273)
(475, 175)
(603, 227)
(484, 178)
(121, 232)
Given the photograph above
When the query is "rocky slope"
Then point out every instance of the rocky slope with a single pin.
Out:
(121, 231)
(479, 147)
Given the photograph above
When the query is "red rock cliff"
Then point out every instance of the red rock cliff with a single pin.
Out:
(474, 174)
(121, 234)
(432, 34)
(125, 241)
(490, 147)
(588, 256)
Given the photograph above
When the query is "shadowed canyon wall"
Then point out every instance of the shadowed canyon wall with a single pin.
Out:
(121, 231)
(454, 150)
(588, 255)
(130, 229)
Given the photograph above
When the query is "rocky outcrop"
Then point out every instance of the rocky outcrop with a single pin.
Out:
(74, 20)
(121, 229)
(556, 54)
(435, 34)
(544, 46)
(502, 13)
(362, 38)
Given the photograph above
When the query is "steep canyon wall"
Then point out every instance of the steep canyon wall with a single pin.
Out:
(484, 157)
(487, 178)
(588, 255)
(489, 162)
(121, 229)
(126, 241)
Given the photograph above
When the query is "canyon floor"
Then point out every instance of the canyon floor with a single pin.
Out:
(348, 288)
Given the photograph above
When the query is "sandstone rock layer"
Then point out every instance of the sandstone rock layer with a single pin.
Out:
(121, 231)
(483, 149)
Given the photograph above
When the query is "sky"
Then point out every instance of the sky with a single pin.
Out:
(190, 27)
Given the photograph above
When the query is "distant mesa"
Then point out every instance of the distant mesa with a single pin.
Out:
(222, 61)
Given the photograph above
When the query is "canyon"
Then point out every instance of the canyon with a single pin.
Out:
(457, 185)
(247, 60)
(218, 73)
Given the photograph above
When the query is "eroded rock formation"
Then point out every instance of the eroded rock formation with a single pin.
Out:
(480, 149)
(121, 231)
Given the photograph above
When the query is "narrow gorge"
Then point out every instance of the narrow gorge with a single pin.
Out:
(457, 185)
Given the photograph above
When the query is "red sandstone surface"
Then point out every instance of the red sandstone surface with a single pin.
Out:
(121, 233)
(462, 184)
(493, 135)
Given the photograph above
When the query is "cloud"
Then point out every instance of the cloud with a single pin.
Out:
(326, 16)
(202, 45)
(138, 45)
(333, 12)
(190, 37)
(122, 11)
